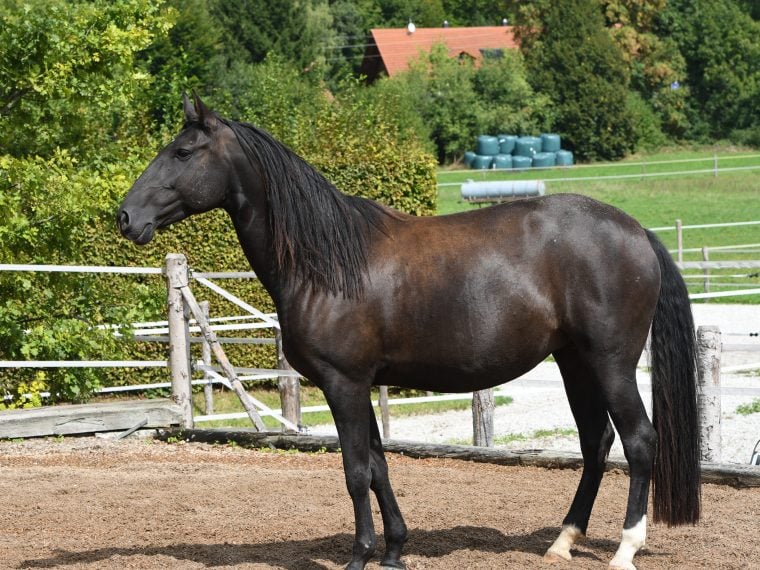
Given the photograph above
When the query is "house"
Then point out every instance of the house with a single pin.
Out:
(389, 51)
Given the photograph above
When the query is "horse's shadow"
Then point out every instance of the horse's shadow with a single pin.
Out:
(306, 554)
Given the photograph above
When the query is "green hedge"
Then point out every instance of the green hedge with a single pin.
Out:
(61, 211)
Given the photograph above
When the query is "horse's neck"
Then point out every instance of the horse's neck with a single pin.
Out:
(247, 209)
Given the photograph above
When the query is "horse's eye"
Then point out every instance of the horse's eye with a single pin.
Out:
(184, 153)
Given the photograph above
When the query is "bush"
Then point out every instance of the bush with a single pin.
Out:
(746, 137)
(647, 126)
(450, 101)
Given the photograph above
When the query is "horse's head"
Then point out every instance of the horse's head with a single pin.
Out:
(189, 176)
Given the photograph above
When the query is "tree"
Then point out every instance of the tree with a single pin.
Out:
(572, 59)
(721, 46)
(66, 71)
(508, 102)
(297, 30)
(656, 66)
(424, 13)
(185, 58)
(478, 12)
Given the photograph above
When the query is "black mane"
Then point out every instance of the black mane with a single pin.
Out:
(318, 233)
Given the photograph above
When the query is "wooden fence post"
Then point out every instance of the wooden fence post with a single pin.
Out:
(384, 413)
(706, 271)
(482, 417)
(679, 240)
(208, 388)
(289, 386)
(175, 271)
(708, 392)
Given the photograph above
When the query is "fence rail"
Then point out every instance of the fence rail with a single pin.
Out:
(714, 170)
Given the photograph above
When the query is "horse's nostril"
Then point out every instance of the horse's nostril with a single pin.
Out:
(123, 219)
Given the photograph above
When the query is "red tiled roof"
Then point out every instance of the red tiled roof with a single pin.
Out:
(397, 47)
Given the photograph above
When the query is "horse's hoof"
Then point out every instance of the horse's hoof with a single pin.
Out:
(557, 557)
(392, 565)
(621, 565)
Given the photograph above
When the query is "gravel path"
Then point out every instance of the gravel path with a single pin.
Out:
(540, 403)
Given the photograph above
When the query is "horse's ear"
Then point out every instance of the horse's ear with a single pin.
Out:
(191, 115)
(206, 117)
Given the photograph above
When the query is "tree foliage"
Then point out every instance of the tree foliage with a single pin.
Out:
(67, 73)
(572, 59)
(720, 42)
(457, 100)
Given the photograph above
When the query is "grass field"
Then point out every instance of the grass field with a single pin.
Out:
(696, 198)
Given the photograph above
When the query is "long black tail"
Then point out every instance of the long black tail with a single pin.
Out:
(676, 475)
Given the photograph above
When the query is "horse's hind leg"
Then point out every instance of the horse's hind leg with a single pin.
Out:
(639, 440)
(596, 437)
(393, 523)
(614, 383)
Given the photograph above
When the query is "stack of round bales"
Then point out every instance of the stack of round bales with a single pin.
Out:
(510, 151)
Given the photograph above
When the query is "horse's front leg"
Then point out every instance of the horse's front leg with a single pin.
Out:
(349, 402)
(394, 527)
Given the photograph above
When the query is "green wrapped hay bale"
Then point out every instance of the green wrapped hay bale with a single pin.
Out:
(487, 145)
(519, 162)
(527, 146)
(468, 156)
(550, 142)
(507, 143)
(544, 159)
(481, 162)
(502, 161)
(564, 158)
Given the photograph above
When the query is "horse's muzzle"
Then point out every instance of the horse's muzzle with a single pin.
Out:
(139, 235)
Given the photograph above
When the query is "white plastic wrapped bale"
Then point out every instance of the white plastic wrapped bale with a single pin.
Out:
(501, 190)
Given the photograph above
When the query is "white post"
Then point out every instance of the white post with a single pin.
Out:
(706, 271)
(208, 388)
(175, 271)
(385, 416)
(708, 392)
(679, 240)
(482, 417)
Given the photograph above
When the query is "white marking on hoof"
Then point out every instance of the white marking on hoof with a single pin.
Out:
(560, 550)
(633, 539)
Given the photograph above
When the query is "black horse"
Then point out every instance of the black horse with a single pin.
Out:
(370, 296)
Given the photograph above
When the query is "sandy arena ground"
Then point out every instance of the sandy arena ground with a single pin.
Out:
(89, 503)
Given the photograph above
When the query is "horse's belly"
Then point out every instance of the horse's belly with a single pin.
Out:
(449, 377)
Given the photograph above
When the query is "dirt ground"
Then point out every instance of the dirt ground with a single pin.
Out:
(88, 503)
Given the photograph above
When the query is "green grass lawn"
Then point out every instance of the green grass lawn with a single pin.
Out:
(658, 202)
